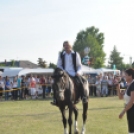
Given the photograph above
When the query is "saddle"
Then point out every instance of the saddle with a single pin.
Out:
(78, 88)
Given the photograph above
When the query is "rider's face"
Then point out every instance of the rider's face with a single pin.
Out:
(67, 47)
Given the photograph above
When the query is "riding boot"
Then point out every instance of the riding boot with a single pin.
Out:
(54, 102)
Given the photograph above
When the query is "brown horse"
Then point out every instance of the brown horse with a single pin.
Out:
(66, 95)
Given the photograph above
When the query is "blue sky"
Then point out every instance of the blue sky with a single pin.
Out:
(30, 29)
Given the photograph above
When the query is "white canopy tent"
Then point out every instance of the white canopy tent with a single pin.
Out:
(36, 71)
(105, 70)
(11, 72)
(89, 70)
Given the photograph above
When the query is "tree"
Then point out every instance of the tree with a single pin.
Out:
(94, 40)
(12, 62)
(116, 59)
(52, 65)
(42, 63)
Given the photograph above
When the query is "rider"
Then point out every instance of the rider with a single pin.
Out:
(70, 62)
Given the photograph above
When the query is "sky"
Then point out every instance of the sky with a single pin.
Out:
(32, 29)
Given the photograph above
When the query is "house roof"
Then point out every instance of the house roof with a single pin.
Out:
(27, 64)
(21, 63)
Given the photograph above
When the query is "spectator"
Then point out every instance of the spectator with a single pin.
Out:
(18, 86)
(7, 87)
(33, 87)
(22, 87)
(26, 87)
(110, 85)
(1, 87)
(15, 91)
(92, 86)
(98, 86)
(49, 81)
(115, 84)
(42, 82)
(104, 85)
(37, 85)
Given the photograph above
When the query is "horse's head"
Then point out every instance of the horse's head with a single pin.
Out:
(59, 84)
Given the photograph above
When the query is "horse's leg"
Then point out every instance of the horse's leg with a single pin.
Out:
(70, 118)
(64, 120)
(85, 108)
(76, 131)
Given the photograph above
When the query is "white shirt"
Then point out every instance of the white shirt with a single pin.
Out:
(126, 97)
(15, 84)
(110, 82)
(98, 84)
(1, 83)
(69, 67)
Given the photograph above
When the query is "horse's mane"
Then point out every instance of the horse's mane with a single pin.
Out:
(64, 74)
(59, 69)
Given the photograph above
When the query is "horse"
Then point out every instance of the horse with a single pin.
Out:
(66, 96)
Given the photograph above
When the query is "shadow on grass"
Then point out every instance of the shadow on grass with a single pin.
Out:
(58, 112)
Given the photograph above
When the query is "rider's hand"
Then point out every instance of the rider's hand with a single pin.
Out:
(77, 74)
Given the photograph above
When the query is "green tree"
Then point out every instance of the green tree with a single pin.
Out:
(52, 65)
(94, 40)
(42, 63)
(116, 59)
(12, 62)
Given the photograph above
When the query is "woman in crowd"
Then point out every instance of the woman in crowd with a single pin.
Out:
(128, 95)
(7, 87)
(1, 87)
(33, 87)
(98, 86)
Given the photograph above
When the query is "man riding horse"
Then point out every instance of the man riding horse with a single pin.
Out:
(70, 62)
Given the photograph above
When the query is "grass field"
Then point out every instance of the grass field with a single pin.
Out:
(39, 117)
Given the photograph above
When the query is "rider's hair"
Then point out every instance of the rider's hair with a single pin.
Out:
(130, 72)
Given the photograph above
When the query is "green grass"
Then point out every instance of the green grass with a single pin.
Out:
(39, 117)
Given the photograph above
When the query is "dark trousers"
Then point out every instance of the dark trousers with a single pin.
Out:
(130, 119)
(49, 89)
(6, 95)
(1, 90)
(12, 94)
(44, 91)
(110, 88)
(92, 90)
(15, 92)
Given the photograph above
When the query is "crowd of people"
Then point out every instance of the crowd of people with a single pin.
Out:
(22, 87)
(105, 85)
